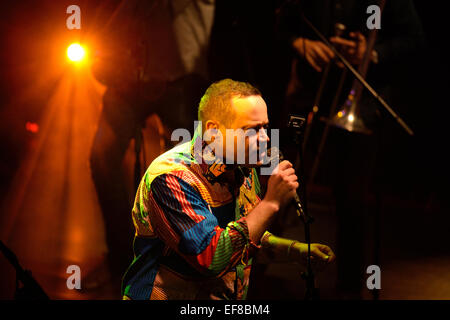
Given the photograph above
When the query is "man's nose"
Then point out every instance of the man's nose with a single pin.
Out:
(262, 135)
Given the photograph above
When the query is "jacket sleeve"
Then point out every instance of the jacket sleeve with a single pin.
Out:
(185, 222)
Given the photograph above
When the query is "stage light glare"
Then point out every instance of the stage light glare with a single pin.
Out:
(351, 118)
(75, 52)
(32, 127)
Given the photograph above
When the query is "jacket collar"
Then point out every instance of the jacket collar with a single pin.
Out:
(212, 167)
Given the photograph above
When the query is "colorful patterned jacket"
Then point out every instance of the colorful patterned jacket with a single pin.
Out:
(192, 239)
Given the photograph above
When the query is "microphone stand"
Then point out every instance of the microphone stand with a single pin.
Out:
(297, 125)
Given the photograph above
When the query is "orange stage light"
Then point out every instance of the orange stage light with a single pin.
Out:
(75, 52)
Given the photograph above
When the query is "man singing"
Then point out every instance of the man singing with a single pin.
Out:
(199, 213)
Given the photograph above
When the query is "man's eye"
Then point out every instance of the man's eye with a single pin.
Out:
(257, 128)
(251, 131)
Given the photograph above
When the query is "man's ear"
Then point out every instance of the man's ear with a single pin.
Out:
(211, 130)
(211, 124)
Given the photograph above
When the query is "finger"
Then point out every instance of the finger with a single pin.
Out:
(327, 250)
(313, 63)
(358, 36)
(343, 42)
(322, 247)
(323, 57)
(331, 255)
(289, 171)
(280, 167)
(327, 50)
(294, 185)
(331, 258)
(289, 180)
(319, 254)
(284, 165)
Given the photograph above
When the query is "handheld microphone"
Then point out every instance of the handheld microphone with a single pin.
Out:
(275, 155)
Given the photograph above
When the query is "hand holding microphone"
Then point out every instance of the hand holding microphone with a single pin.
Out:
(284, 171)
(283, 182)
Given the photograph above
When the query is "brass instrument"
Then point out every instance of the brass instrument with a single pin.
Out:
(339, 30)
(348, 117)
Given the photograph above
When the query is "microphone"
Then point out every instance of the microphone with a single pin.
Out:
(275, 155)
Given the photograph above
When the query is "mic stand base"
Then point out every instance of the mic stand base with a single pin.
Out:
(297, 124)
(312, 293)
